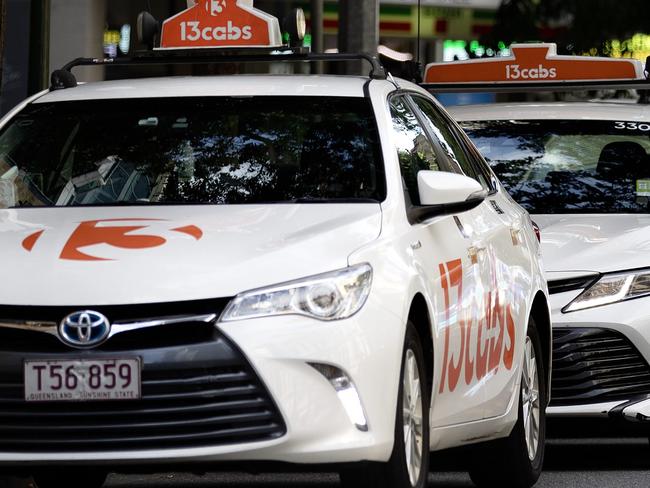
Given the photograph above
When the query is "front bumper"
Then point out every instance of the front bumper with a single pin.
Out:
(600, 359)
(281, 408)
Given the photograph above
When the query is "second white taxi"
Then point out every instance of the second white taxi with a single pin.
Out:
(582, 169)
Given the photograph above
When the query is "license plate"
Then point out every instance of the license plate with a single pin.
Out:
(82, 380)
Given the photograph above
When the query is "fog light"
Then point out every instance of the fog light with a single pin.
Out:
(347, 393)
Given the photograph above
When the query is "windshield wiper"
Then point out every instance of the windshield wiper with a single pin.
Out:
(138, 203)
(133, 203)
(332, 200)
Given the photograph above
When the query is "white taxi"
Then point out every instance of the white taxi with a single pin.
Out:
(298, 269)
(582, 169)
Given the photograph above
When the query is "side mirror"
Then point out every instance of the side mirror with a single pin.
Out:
(443, 193)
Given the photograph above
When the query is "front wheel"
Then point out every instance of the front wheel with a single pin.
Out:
(408, 466)
(6, 482)
(516, 461)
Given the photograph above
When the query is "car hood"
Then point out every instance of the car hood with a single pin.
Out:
(594, 243)
(124, 255)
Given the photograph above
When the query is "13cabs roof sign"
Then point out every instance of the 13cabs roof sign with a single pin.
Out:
(220, 23)
(534, 63)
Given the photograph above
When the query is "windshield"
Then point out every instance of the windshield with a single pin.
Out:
(569, 166)
(219, 150)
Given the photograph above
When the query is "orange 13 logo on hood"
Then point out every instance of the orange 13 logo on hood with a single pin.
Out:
(107, 231)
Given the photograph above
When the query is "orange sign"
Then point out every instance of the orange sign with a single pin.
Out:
(534, 63)
(221, 23)
(93, 232)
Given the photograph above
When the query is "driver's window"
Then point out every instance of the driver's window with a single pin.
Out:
(414, 149)
(448, 141)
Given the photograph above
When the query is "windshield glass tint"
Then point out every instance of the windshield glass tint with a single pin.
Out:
(567, 166)
(217, 150)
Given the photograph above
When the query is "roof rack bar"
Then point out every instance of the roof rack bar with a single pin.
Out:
(215, 56)
(545, 86)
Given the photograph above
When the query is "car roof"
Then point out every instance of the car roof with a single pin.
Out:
(205, 86)
(600, 110)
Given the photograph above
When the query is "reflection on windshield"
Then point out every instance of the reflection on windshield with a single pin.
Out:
(569, 166)
(218, 150)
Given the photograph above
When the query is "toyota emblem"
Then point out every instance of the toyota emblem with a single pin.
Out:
(84, 329)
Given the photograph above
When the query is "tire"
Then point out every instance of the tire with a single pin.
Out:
(9, 482)
(70, 479)
(395, 473)
(509, 462)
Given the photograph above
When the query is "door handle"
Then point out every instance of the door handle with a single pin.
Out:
(515, 234)
(475, 252)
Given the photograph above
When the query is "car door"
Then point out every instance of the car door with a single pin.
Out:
(441, 248)
(497, 241)
(514, 256)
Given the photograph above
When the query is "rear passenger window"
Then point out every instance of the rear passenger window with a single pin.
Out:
(414, 149)
(450, 144)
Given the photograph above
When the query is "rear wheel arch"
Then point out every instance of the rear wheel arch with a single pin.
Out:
(541, 315)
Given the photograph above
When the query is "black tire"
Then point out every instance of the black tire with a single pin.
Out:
(72, 478)
(505, 462)
(10, 482)
(394, 473)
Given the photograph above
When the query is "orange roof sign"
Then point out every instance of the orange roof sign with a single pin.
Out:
(221, 23)
(534, 63)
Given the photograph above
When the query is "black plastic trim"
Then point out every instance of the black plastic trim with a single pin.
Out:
(571, 284)
(421, 213)
(115, 312)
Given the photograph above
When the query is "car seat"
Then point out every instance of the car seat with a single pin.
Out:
(621, 160)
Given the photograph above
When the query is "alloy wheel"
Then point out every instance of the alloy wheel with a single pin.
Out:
(530, 400)
(412, 417)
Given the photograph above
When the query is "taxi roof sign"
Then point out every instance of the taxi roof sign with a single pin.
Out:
(534, 63)
(221, 24)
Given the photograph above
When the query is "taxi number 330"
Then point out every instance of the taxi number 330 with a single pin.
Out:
(632, 126)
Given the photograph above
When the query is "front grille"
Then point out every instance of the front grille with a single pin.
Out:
(146, 338)
(185, 333)
(190, 408)
(198, 390)
(596, 365)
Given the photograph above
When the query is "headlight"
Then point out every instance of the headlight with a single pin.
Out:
(612, 288)
(330, 296)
